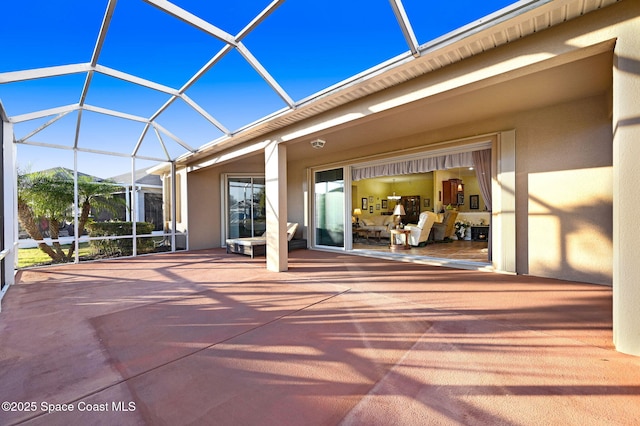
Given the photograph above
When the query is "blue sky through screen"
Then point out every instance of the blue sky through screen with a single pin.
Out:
(305, 46)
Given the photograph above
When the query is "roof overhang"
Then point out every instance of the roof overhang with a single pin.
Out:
(509, 25)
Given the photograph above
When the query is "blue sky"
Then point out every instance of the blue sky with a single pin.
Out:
(306, 46)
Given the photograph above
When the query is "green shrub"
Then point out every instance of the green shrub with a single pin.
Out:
(120, 246)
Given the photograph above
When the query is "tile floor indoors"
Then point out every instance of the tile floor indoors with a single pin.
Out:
(475, 251)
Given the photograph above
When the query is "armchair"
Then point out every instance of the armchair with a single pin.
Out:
(445, 229)
(420, 231)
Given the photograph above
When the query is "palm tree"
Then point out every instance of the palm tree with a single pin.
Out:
(49, 195)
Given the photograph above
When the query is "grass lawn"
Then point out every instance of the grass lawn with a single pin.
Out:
(34, 256)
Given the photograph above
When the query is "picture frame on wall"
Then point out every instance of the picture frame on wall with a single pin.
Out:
(370, 209)
(371, 199)
(365, 204)
(384, 204)
(377, 206)
(474, 202)
(427, 202)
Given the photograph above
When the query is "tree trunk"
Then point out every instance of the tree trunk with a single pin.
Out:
(84, 216)
(54, 230)
(25, 216)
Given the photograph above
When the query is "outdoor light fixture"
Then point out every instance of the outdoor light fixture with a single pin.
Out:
(318, 143)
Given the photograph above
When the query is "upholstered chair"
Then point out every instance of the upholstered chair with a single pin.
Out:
(420, 231)
(444, 229)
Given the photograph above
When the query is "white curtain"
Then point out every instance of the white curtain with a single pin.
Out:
(419, 165)
(482, 164)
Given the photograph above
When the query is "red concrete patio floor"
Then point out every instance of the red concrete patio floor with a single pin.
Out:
(209, 338)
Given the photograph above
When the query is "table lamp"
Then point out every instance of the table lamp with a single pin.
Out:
(399, 211)
(356, 213)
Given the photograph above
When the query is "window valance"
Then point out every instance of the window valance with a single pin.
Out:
(418, 165)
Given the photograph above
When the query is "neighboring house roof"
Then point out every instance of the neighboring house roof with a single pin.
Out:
(142, 178)
(63, 172)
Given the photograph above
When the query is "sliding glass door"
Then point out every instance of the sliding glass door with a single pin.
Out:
(246, 213)
(329, 208)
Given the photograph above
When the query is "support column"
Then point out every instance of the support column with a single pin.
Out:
(626, 203)
(503, 203)
(275, 174)
(9, 196)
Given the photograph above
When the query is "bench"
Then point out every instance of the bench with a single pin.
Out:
(256, 246)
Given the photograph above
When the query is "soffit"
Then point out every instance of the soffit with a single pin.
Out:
(552, 86)
(482, 36)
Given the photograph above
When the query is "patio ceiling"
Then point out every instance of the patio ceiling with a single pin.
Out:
(158, 80)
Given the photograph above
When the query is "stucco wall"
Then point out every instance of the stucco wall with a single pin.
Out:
(563, 183)
(204, 200)
(563, 151)
(297, 192)
(565, 192)
(205, 196)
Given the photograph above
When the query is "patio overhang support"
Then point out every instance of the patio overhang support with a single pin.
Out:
(626, 203)
(9, 194)
(275, 174)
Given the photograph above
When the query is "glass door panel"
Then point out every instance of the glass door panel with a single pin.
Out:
(259, 210)
(246, 213)
(329, 208)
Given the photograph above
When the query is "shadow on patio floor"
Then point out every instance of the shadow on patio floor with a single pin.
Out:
(210, 338)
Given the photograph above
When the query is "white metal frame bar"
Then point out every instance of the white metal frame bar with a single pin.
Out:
(92, 151)
(259, 18)
(264, 74)
(191, 19)
(37, 73)
(162, 144)
(405, 26)
(136, 80)
(205, 114)
(113, 113)
(140, 139)
(92, 67)
(44, 126)
(174, 137)
(43, 113)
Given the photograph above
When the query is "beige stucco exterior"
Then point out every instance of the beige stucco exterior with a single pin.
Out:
(561, 110)
(626, 151)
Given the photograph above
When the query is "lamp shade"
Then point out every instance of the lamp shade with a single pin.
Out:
(399, 210)
(357, 212)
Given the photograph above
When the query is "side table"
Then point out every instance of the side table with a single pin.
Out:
(402, 245)
(362, 233)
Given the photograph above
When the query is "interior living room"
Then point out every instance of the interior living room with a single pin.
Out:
(386, 215)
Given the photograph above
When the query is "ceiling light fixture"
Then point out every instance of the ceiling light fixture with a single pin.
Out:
(394, 196)
(318, 143)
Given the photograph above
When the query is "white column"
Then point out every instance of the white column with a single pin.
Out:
(10, 195)
(503, 201)
(626, 202)
(275, 173)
